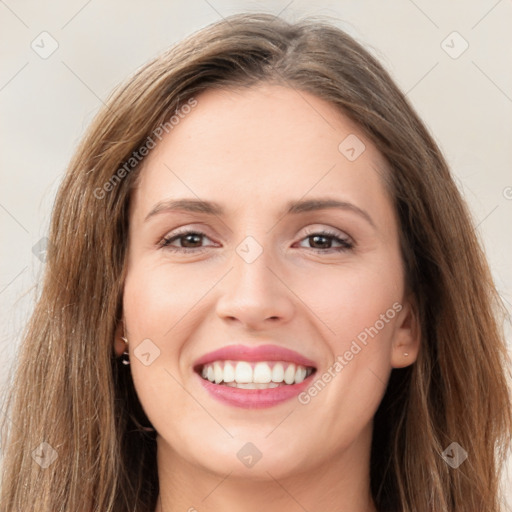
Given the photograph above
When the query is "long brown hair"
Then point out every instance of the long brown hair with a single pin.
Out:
(70, 390)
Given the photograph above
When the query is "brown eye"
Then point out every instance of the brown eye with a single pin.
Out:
(323, 242)
(187, 240)
(190, 240)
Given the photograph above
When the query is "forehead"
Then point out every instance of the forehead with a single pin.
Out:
(252, 146)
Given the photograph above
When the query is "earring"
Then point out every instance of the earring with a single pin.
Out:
(125, 358)
(406, 354)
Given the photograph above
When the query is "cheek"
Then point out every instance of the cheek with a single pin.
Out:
(357, 309)
(151, 311)
(154, 301)
(157, 297)
(350, 300)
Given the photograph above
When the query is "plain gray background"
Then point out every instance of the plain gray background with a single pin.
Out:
(451, 58)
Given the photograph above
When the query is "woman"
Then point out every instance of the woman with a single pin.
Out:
(263, 292)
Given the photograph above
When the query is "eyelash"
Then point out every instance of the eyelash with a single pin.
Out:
(345, 243)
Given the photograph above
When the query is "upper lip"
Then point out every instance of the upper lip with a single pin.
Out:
(254, 353)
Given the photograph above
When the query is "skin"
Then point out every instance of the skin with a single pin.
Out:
(253, 150)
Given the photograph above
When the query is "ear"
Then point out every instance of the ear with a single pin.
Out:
(119, 344)
(407, 336)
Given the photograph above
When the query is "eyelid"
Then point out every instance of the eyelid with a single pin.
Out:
(332, 231)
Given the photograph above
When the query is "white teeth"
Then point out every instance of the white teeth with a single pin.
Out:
(262, 373)
(217, 372)
(229, 372)
(243, 372)
(259, 375)
(278, 373)
(300, 374)
(289, 374)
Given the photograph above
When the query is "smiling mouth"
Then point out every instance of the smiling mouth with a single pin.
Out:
(254, 375)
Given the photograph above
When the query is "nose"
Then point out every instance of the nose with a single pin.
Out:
(255, 295)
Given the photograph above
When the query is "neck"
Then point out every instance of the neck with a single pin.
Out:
(340, 484)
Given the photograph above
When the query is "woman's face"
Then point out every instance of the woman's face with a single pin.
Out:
(269, 286)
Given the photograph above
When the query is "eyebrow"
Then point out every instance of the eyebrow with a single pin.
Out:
(292, 207)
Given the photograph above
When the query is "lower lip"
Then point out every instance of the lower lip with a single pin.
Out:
(254, 398)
